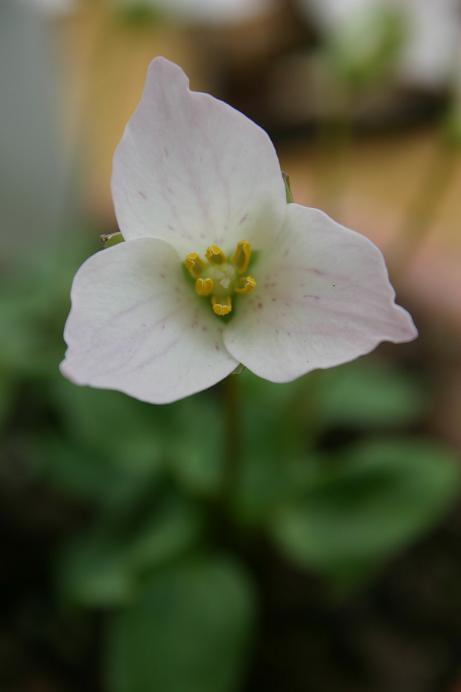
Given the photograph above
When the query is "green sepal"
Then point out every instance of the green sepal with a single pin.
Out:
(288, 191)
(109, 239)
(239, 369)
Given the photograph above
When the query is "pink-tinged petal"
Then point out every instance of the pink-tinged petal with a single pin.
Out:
(323, 298)
(137, 326)
(193, 171)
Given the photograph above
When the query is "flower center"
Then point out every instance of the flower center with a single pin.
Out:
(219, 277)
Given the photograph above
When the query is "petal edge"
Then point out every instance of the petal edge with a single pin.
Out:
(323, 298)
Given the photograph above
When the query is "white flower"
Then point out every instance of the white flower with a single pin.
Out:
(194, 179)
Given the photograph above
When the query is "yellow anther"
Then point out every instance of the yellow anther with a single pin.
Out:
(247, 284)
(215, 255)
(219, 277)
(221, 306)
(241, 256)
(204, 287)
(194, 264)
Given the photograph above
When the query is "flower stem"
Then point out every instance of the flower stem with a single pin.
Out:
(334, 139)
(424, 207)
(230, 403)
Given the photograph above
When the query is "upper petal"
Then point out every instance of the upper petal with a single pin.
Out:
(323, 298)
(193, 171)
(136, 326)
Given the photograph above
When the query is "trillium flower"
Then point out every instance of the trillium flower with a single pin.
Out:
(216, 268)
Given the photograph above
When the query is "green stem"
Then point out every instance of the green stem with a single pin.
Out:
(230, 403)
(424, 207)
(334, 140)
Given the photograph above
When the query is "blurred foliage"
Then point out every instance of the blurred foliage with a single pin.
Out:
(99, 569)
(189, 629)
(364, 503)
(139, 13)
(329, 475)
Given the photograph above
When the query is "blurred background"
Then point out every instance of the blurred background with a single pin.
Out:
(335, 565)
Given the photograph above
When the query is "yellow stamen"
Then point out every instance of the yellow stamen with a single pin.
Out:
(221, 306)
(194, 264)
(219, 277)
(215, 255)
(241, 256)
(246, 285)
(204, 287)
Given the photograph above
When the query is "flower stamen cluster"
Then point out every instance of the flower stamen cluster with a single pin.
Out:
(220, 277)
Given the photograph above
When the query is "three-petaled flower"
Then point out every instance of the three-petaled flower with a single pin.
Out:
(216, 268)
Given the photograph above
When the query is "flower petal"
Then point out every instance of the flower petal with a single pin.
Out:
(323, 298)
(193, 171)
(137, 326)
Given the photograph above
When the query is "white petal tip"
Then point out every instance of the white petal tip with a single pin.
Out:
(405, 327)
(66, 371)
(161, 66)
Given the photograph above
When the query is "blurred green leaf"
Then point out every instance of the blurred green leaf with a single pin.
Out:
(111, 423)
(188, 631)
(23, 352)
(174, 528)
(196, 454)
(114, 445)
(106, 567)
(140, 12)
(33, 305)
(365, 505)
(365, 394)
(91, 476)
(94, 571)
(268, 481)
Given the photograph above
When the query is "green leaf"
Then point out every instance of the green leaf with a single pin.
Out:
(102, 569)
(171, 530)
(33, 304)
(94, 571)
(367, 504)
(365, 394)
(188, 631)
(109, 422)
(88, 475)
